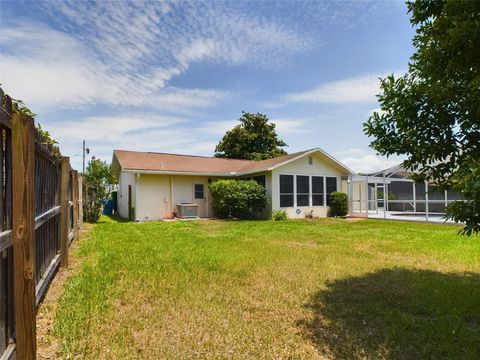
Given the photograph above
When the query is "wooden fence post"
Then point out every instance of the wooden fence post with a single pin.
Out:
(23, 240)
(75, 204)
(80, 201)
(64, 210)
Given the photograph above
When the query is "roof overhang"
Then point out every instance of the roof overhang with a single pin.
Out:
(188, 173)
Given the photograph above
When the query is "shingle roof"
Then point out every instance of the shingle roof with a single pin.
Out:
(151, 161)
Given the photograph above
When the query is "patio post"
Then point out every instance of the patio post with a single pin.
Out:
(384, 200)
(414, 197)
(368, 195)
(360, 197)
(446, 200)
(426, 200)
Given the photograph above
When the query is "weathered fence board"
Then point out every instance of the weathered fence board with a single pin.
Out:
(23, 240)
(65, 206)
(32, 239)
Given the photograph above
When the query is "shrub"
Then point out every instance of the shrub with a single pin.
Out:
(279, 215)
(338, 204)
(241, 199)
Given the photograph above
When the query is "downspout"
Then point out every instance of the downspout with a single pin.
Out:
(172, 206)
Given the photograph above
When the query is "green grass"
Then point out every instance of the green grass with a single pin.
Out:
(261, 289)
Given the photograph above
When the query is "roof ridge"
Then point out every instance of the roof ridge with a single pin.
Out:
(186, 155)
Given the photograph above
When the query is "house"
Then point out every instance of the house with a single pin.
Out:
(152, 184)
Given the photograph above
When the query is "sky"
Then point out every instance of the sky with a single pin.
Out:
(174, 76)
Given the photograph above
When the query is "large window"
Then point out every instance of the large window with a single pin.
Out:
(286, 190)
(317, 190)
(303, 190)
(297, 190)
(331, 187)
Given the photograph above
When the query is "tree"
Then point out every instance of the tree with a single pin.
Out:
(431, 114)
(253, 139)
(98, 181)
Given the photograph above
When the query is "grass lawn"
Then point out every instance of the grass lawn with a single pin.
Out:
(268, 290)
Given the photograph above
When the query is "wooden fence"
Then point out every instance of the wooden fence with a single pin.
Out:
(39, 217)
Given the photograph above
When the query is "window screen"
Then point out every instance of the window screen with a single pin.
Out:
(317, 190)
(199, 193)
(303, 190)
(331, 187)
(286, 190)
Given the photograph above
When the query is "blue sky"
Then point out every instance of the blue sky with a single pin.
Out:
(174, 76)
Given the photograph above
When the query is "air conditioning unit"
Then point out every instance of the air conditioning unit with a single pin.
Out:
(187, 211)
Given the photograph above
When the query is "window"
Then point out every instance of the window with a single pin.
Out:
(331, 187)
(310, 160)
(260, 179)
(303, 190)
(317, 190)
(199, 191)
(286, 190)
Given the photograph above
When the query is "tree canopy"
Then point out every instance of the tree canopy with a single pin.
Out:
(431, 114)
(254, 138)
(98, 181)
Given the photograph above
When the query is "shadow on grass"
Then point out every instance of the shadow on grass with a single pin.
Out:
(398, 314)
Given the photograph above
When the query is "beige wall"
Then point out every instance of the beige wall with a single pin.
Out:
(321, 166)
(158, 195)
(125, 180)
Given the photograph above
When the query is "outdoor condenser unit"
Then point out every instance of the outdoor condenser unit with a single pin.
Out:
(187, 210)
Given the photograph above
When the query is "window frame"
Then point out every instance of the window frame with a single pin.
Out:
(195, 191)
(280, 193)
(310, 195)
(318, 193)
(327, 195)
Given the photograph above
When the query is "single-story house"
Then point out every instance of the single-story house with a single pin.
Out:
(152, 184)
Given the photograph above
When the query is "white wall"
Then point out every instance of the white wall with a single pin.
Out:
(125, 179)
(321, 166)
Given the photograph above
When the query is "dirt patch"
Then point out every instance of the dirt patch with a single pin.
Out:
(47, 344)
(354, 219)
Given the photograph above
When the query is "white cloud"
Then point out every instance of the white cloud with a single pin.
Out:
(356, 90)
(56, 70)
(366, 162)
(289, 125)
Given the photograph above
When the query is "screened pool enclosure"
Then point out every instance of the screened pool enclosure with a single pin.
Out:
(392, 194)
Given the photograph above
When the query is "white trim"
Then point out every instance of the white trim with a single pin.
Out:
(325, 191)
(310, 192)
(294, 190)
(161, 172)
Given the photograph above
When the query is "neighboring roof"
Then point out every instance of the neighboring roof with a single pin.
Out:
(189, 164)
